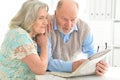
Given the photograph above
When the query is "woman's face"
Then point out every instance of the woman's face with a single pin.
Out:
(40, 24)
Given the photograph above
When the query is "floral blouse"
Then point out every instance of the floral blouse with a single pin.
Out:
(16, 45)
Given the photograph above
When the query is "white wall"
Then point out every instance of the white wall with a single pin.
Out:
(8, 9)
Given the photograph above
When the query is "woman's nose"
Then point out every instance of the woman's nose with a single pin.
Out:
(45, 21)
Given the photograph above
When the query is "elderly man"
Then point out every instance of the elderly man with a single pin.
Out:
(69, 38)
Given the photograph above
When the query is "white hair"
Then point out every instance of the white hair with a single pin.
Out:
(27, 15)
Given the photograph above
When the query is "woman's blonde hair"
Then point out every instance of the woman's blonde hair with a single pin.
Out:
(27, 15)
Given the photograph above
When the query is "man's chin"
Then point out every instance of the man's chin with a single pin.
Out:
(66, 32)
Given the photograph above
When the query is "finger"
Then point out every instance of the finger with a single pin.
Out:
(102, 65)
(97, 72)
(37, 38)
(51, 25)
(48, 28)
(100, 69)
(46, 31)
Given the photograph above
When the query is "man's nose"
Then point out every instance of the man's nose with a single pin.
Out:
(69, 23)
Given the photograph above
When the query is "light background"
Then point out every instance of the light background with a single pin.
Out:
(104, 29)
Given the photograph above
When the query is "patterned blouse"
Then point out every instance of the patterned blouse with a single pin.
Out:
(16, 45)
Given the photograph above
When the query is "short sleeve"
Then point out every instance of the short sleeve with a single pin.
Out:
(21, 43)
(22, 51)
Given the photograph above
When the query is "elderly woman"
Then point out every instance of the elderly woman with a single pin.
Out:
(19, 59)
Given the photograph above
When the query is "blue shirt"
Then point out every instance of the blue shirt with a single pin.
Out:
(66, 66)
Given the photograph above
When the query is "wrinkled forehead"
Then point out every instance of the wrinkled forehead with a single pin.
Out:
(69, 4)
(69, 9)
(68, 13)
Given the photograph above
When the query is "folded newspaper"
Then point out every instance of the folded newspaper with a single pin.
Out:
(86, 68)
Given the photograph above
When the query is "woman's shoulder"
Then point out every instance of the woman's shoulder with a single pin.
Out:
(17, 31)
(18, 37)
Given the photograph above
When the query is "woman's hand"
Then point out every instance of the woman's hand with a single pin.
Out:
(42, 40)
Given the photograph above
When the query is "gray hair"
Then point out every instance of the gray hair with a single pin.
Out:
(61, 2)
(27, 15)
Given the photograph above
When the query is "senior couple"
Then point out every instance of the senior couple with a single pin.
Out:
(32, 45)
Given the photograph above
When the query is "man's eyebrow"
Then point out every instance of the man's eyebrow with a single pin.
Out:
(73, 17)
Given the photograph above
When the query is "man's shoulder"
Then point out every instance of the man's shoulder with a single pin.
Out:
(80, 21)
(82, 24)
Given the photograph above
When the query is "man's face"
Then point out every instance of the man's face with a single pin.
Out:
(66, 19)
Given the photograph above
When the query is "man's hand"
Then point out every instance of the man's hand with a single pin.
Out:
(101, 68)
(76, 64)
